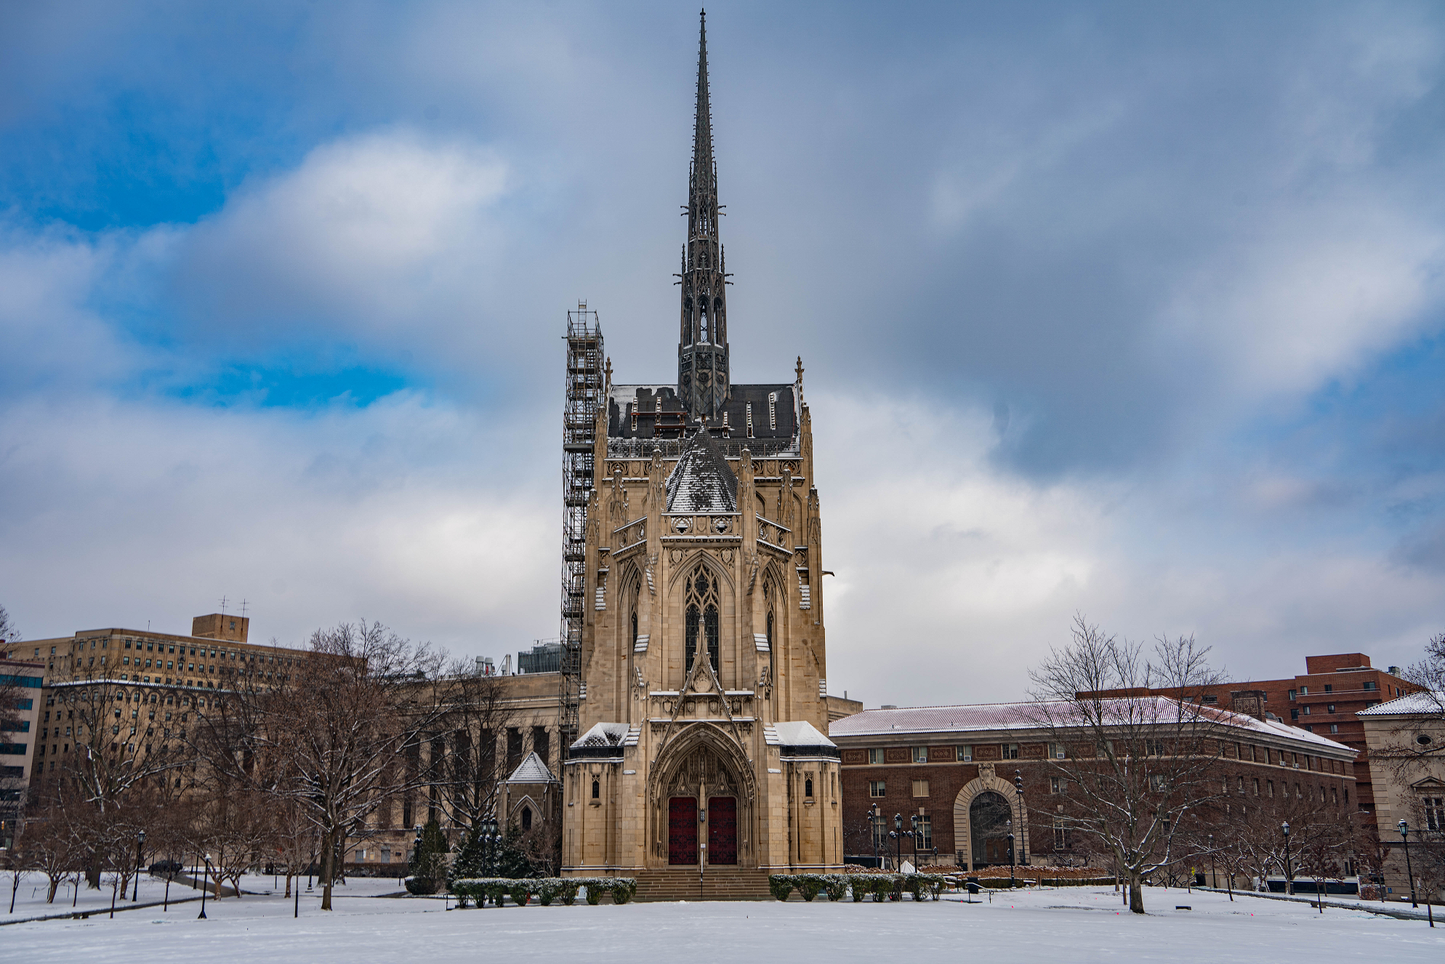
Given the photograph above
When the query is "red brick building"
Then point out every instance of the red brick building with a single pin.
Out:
(948, 765)
(1323, 700)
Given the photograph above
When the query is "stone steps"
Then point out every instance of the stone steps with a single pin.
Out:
(683, 883)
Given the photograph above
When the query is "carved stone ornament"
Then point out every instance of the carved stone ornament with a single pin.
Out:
(682, 525)
(721, 523)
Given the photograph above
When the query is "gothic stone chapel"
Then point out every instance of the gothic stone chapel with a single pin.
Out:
(701, 762)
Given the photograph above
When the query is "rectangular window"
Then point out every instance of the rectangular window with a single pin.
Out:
(1062, 838)
(1058, 785)
(1304, 691)
(1330, 708)
(1256, 786)
(773, 411)
(1434, 808)
(965, 753)
(920, 788)
(876, 788)
(1291, 694)
(1009, 751)
(880, 837)
(1307, 711)
(1211, 699)
(1056, 751)
(924, 840)
(875, 756)
(920, 754)
(1334, 728)
(1294, 714)
(1329, 687)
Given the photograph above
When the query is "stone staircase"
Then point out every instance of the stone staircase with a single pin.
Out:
(716, 883)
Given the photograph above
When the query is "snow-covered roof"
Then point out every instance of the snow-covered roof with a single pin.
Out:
(797, 733)
(1412, 704)
(970, 718)
(532, 770)
(605, 740)
(702, 481)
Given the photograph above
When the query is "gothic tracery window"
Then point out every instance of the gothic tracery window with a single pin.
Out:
(701, 611)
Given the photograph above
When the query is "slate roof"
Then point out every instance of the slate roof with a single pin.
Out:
(702, 481)
(1414, 704)
(645, 400)
(532, 770)
(983, 717)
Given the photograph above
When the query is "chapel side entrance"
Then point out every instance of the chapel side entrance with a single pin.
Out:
(682, 830)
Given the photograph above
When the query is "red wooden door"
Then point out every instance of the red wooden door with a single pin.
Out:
(682, 830)
(722, 830)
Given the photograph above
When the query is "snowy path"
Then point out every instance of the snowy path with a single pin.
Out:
(1083, 925)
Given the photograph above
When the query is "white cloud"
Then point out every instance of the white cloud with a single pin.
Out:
(379, 230)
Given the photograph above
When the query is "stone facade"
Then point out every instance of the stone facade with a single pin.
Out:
(1404, 737)
(703, 703)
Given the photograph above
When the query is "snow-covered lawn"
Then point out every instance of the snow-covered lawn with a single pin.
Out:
(1074, 925)
(30, 898)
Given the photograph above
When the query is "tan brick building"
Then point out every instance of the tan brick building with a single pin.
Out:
(702, 753)
(1405, 738)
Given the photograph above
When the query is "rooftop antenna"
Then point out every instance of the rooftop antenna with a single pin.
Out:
(243, 608)
(223, 605)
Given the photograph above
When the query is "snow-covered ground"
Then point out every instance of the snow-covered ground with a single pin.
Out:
(30, 898)
(1076, 925)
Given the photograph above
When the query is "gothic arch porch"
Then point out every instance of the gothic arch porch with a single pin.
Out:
(700, 803)
(987, 783)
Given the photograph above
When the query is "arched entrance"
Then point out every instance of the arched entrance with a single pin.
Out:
(990, 820)
(703, 809)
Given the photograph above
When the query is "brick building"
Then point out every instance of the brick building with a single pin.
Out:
(949, 764)
(1324, 700)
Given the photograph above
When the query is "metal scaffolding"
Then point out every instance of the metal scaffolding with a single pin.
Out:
(586, 389)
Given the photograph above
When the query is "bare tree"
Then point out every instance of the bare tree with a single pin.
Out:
(1136, 762)
(9, 633)
(333, 740)
(121, 741)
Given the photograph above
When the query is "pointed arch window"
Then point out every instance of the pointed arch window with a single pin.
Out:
(701, 612)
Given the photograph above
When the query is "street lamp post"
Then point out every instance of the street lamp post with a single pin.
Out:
(1213, 873)
(205, 885)
(898, 841)
(1288, 876)
(875, 817)
(1019, 793)
(1012, 857)
(1404, 829)
(140, 842)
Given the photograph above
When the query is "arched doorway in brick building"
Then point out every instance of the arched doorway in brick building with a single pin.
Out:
(990, 821)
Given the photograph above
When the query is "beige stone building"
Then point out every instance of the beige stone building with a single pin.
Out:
(702, 762)
(1405, 738)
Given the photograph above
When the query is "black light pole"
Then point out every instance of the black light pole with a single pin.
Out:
(1288, 877)
(140, 841)
(1019, 792)
(1213, 874)
(1409, 871)
(1012, 857)
(166, 903)
(874, 817)
(205, 881)
(898, 838)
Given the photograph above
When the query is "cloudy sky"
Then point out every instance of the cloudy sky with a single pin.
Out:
(1129, 310)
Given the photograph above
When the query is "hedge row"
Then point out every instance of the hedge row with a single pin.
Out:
(838, 886)
(545, 889)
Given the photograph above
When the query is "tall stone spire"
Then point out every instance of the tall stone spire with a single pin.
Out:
(702, 350)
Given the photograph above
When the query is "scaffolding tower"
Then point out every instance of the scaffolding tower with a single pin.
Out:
(586, 388)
